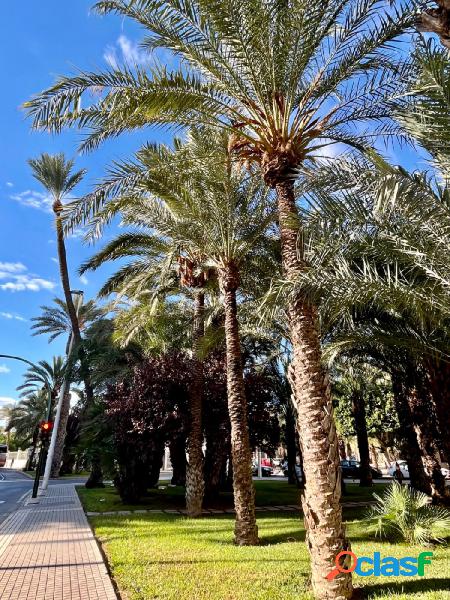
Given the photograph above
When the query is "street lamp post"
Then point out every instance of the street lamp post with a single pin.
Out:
(77, 300)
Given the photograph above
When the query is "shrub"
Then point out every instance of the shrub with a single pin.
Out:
(406, 514)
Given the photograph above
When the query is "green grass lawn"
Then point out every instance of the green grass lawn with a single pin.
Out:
(168, 557)
(268, 493)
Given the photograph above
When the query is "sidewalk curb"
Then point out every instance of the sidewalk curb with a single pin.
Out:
(211, 512)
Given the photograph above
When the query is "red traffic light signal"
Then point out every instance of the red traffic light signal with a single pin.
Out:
(46, 427)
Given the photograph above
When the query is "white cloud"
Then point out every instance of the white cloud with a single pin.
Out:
(9, 184)
(4, 400)
(8, 267)
(33, 199)
(10, 316)
(126, 51)
(84, 279)
(19, 280)
(4, 369)
(55, 260)
(27, 283)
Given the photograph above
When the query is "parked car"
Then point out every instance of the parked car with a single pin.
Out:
(350, 469)
(265, 470)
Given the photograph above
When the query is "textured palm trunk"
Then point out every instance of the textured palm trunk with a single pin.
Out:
(61, 436)
(65, 282)
(359, 416)
(439, 375)
(424, 427)
(64, 272)
(95, 479)
(318, 439)
(34, 442)
(177, 449)
(245, 530)
(411, 451)
(195, 482)
(291, 446)
(217, 453)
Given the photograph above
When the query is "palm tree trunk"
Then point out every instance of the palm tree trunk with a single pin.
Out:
(439, 376)
(64, 272)
(291, 445)
(423, 424)
(65, 282)
(318, 438)
(217, 452)
(246, 530)
(61, 436)
(359, 416)
(34, 442)
(177, 449)
(411, 451)
(195, 483)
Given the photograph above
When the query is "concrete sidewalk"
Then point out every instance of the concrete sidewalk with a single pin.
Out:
(48, 552)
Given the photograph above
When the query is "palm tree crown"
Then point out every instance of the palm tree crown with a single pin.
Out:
(284, 77)
(44, 375)
(55, 174)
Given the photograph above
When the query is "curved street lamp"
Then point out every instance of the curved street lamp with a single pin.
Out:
(49, 408)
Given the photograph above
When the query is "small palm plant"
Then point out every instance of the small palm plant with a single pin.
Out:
(405, 513)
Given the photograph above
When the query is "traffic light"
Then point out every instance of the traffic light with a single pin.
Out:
(45, 427)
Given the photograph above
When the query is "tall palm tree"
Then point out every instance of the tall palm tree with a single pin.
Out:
(56, 174)
(25, 417)
(285, 78)
(211, 216)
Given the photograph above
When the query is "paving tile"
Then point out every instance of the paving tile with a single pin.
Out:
(48, 552)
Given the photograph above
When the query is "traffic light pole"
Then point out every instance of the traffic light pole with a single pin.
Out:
(62, 393)
(38, 472)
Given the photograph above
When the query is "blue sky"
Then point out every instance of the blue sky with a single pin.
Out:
(42, 40)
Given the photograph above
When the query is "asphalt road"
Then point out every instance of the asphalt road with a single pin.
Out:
(14, 485)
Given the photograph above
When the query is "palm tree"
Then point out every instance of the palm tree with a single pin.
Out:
(56, 174)
(285, 78)
(210, 217)
(55, 320)
(44, 375)
(25, 417)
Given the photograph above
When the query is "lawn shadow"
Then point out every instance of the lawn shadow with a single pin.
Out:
(420, 584)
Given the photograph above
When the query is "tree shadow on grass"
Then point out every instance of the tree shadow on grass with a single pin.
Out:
(389, 589)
